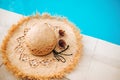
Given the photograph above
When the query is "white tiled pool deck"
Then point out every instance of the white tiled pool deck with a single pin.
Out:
(100, 59)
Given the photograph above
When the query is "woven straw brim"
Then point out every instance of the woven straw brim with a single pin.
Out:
(23, 64)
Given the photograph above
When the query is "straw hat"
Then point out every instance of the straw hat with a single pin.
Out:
(42, 47)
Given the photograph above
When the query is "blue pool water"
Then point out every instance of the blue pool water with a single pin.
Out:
(97, 18)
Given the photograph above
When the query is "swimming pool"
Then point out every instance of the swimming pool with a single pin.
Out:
(97, 18)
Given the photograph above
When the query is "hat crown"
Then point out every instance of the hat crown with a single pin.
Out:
(41, 39)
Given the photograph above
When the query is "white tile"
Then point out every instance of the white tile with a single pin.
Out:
(86, 58)
(80, 72)
(89, 42)
(108, 53)
(107, 60)
(5, 74)
(3, 32)
(8, 18)
(101, 71)
(83, 67)
(107, 49)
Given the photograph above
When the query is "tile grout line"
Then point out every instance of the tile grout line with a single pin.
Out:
(107, 63)
(95, 48)
(91, 58)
